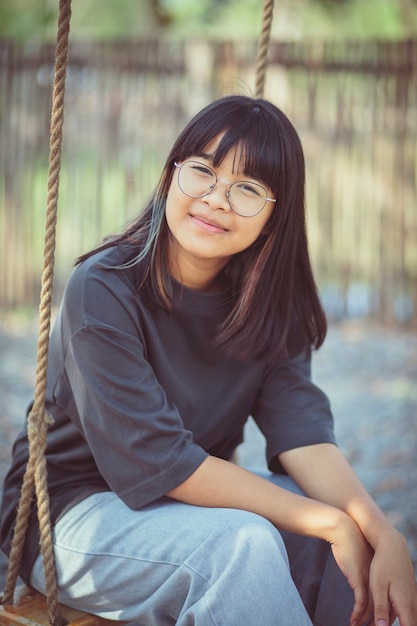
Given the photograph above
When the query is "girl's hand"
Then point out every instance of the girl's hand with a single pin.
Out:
(354, 556)
(392, 582)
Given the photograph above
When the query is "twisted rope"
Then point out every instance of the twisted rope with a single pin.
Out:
(262, 54)
(38, 419)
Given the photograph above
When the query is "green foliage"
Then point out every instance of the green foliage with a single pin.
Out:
(25, 19)
(91, 19)
(293, 19)
(359, 19)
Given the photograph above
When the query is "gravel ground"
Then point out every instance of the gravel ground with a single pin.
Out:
(369, 373)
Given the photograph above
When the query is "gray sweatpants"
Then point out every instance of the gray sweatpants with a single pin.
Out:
(174, 563)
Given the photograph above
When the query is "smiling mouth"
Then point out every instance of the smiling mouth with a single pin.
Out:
(208, 225)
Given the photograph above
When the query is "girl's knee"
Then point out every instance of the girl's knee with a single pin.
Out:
(246, 538)
(255, 533)
(244, 566)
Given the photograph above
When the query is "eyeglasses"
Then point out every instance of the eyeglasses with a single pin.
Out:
(245, 197)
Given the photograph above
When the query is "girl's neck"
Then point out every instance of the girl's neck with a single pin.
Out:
(204, 279)
(208, 285)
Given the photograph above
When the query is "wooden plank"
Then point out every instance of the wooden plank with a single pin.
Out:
(29, 609)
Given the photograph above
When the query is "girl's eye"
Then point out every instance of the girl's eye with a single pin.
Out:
(201, 169)
(249, 188)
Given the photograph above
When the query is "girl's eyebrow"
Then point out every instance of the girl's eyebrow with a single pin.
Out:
(205, 155)
(209, 157)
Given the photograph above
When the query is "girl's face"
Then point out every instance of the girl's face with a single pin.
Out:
(206, 232)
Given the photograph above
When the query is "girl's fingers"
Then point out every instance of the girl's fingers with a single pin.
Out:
(363, 607)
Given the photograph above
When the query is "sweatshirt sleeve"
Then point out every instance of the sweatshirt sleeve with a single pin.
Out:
(290, 409)
(110, 392)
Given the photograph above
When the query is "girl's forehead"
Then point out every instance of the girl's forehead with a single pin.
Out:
(212, 146)
(234, 154)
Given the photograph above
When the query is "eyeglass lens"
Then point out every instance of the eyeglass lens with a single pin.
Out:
(198, 180)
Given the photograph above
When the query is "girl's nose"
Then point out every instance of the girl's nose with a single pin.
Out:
(218, 198)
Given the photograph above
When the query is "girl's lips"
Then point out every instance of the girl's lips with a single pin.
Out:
(207, 225)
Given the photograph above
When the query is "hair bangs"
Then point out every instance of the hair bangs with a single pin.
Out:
(251, 127)
(257, 154)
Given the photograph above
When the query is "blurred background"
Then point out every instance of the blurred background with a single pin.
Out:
(344, 71)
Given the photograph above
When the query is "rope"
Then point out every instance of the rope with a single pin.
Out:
(262, 54)
(38, 419)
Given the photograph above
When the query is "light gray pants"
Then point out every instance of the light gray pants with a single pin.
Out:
(173, 563)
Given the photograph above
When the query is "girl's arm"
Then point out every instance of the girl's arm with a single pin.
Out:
(218, 483)
(324, 474)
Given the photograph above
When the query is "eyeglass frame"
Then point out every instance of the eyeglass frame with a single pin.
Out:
(267, 199)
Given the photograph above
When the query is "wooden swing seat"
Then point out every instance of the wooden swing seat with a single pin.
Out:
(29, 609)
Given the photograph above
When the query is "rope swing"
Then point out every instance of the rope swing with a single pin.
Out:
(263, 45)
(35, 479)
(38, 420)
